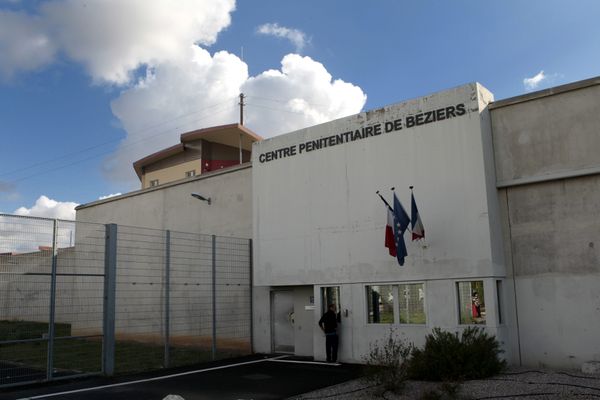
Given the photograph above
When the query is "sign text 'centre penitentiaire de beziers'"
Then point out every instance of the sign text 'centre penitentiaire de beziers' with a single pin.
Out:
(410, 121)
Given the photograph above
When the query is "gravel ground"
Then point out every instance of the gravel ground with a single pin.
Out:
(515, 383)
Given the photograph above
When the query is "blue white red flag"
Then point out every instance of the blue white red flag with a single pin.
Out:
(401, 222)
(390, 243)
(418, 231)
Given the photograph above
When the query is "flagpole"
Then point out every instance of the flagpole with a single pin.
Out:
(385, 201)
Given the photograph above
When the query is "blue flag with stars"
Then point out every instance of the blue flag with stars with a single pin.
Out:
(401, 221)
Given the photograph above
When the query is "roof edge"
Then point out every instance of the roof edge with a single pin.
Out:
(546, 92)
(206, 175)
(192, 135)
(157, 156)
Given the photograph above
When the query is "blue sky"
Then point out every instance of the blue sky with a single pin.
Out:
(86, 88)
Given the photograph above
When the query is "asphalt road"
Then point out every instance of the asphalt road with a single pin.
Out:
(257, 377)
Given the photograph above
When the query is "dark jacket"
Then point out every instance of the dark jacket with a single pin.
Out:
(329, 321)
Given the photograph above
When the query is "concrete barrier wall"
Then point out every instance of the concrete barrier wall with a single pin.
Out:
(547, 154)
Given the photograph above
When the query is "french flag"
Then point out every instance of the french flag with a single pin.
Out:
(418, 232)
(389, 233)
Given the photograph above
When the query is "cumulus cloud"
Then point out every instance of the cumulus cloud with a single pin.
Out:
(48, 208)
(204, 89)
(297, 37)
(111, 38)
(184, 86)
(301, 94)
(24, 43)
(173, 98)
(533, 82)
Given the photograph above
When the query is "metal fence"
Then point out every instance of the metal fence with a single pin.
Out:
(82, 298)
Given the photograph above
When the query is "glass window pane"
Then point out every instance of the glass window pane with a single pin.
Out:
(471, 299)
(412, 303)
(380, 304)
(330, 295)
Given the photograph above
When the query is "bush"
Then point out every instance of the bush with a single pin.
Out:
(386, 365)
(445, 357)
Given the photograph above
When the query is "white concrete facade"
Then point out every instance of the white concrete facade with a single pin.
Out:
(547, 150)
(318, 222)
(171, 206)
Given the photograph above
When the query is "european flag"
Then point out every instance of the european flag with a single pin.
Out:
(401, 221)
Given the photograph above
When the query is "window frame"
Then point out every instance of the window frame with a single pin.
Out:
(424, 303)
(394, 292)
(459, 305)
(396, 303)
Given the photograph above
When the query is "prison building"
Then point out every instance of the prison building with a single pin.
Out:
(509, 195)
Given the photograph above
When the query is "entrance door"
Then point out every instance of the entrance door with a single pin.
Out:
(282, 321)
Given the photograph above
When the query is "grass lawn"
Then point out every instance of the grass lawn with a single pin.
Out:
(85, 355)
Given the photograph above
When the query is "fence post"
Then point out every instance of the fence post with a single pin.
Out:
(167, 294)
(110, 283)
(52, 316)
(214, 297)
(251, 268)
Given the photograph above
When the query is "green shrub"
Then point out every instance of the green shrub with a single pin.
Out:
(445, 357)
(386, 365)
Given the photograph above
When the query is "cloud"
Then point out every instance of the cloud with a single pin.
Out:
(48, 208)
(108, 196)
(297, 37)
(183, 87)
(111, 38)
(24, 43)
(533, 82)
(303, 93)
(202, 91)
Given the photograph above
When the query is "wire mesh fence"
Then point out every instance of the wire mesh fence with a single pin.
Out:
(79, 298)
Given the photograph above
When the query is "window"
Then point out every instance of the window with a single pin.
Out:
(154, 182)
(330, 295)
(380, 304)
(191, 173)
(412, 303)
(471, 301)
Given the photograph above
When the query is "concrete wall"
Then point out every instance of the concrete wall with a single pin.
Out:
(542, 136)
(547, 152)
(318, 221)
(172, 173)
(171, 206)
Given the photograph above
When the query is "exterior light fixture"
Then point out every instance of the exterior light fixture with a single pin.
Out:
(200, 197)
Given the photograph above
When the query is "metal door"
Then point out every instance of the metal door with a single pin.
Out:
(282, 321)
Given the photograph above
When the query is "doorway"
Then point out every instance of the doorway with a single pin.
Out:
(282, 321)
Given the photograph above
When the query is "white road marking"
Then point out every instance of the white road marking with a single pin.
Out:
(304, 362)
(158, 378)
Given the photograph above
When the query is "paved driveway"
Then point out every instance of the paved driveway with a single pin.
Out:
(248, 378)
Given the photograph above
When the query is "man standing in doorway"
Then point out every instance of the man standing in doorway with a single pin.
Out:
(328, 324)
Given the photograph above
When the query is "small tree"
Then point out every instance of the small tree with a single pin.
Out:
(386, 365)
